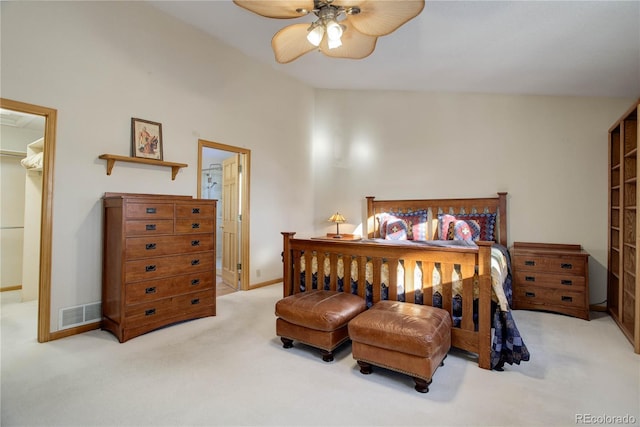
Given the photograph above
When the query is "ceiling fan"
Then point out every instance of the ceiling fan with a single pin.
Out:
(343, 28)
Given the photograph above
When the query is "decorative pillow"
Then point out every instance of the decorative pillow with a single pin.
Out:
(461, 230)
(395, 228)
(481, 225)
(415, 224)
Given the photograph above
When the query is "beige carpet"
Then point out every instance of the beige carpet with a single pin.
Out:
(232, 370)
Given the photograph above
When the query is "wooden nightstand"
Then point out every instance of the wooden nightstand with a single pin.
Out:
(341, 236)
(551, 277)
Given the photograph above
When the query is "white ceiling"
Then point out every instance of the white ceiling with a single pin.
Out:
(575, 48)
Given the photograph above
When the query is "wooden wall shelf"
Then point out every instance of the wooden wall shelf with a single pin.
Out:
(112, 158)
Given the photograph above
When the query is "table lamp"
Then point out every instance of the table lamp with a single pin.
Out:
(337, 218)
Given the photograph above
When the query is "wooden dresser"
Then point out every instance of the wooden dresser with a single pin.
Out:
(551, 277)
(158, 262)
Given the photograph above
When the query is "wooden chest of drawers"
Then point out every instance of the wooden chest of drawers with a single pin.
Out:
(158, 262)
(551, 277)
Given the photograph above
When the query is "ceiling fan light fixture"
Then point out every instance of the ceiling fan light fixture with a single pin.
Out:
(316, 33)
(334, 43)
(334, 30)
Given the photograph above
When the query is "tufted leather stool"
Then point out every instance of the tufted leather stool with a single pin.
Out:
(409, 338)
(318, 318)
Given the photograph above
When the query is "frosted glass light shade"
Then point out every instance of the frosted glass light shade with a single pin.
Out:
(315, 35)
(334, 43)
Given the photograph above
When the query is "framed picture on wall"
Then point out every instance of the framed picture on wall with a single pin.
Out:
(146, 139)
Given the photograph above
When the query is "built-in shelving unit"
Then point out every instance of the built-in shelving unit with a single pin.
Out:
(623, 292)
(112, 158)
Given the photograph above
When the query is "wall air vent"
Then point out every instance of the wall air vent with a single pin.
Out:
(79, 315)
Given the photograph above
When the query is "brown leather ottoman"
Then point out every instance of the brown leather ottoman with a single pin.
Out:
(318, 318)
(409, 338)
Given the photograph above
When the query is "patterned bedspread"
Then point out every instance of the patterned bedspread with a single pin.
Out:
(507, 344)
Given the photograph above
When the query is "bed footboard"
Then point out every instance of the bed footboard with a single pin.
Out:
(457, 279)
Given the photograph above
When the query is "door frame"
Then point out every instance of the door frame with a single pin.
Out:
(46, 215)
(245, 164)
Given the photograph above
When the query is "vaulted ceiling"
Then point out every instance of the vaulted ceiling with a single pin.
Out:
(574, 48)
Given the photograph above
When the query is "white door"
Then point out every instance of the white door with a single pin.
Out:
(230, 221)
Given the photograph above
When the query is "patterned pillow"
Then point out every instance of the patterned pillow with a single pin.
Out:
(395, 229)
(415, 224)
(461, 230)
(481, 225)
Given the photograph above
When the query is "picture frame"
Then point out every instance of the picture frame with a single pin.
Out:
(146, 139)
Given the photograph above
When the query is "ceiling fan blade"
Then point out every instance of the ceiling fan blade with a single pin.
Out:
(283, 9)
(291, 43)
(382, 17)
(355, 45)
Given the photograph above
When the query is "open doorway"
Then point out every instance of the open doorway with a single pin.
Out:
(38, 215)
(223, 174)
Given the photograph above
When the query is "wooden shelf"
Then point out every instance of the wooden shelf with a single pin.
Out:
(112, 158)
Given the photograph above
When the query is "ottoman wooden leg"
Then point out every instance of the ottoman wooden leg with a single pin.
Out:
(365, 368)
(286, 342)
(442, 363)
(327, 356)
(421, 385)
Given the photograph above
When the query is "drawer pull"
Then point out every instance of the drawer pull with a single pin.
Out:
(195, 210)
(150, 227)
(151, 210)
(150, 312)
(150, 246)
(151, 290)
(566, 265)
(195, 243)
(195, 282)
(530, 294)
(195, 261)
(566, 282)
(195, 301)
(195, 225)
(567, 299)
(530, 263)
(530, 278)
(149, 268)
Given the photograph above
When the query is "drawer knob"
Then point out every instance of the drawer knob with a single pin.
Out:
(195, 243)
(195, 301)
(530, 263)
(150, 227)
(195, 225)
(150, 246)
(566, 265)
(566, 282)
(151, 210)
(195, 282)
(150, 312)
(530, 294)
(567, 299)
(195, 210)
(195, 261)
(151, 267)
(530, 278)
(151, 290)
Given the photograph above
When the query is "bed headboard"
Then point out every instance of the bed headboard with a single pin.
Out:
(497, 205)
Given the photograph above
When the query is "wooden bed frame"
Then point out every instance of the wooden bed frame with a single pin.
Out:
(371, 262)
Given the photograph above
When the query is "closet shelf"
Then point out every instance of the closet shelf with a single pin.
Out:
(112, 158)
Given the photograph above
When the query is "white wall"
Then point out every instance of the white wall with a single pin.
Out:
(548, 153)
(102, 63)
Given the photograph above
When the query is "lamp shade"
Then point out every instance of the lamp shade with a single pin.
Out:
(315, 35)
(337, 218)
